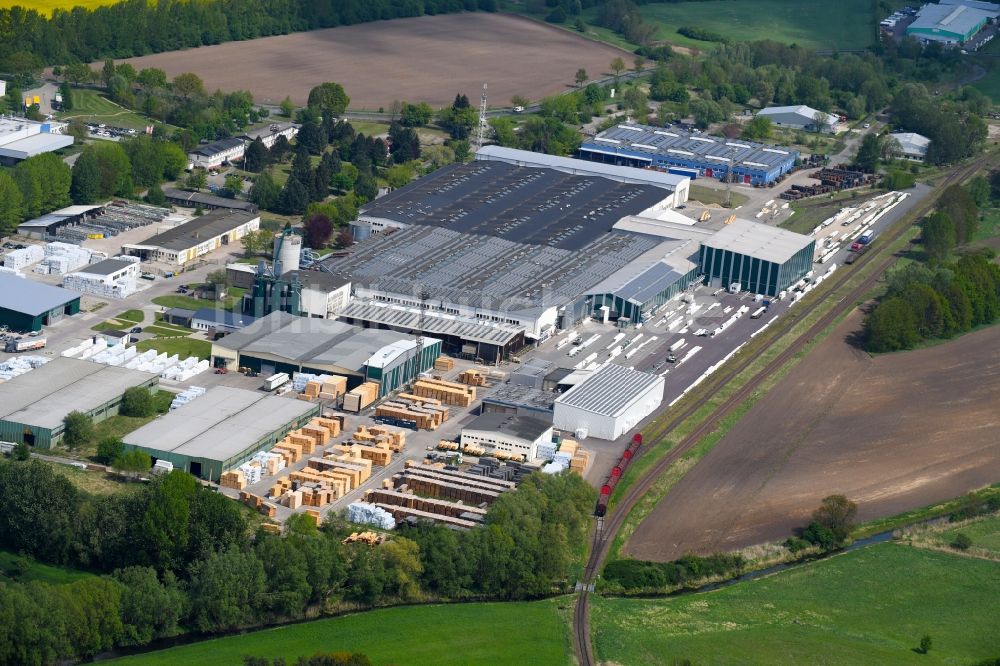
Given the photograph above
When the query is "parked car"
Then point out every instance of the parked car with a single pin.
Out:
(136, 329)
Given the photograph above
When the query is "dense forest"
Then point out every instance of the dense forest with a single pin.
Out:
(174, 556)
(136, 27)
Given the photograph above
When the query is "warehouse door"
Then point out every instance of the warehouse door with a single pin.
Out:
(267, 369)
(746, 180)
(195, 469)
(708, 172)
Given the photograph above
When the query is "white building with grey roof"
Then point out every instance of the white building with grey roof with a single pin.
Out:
(111, 278)
(186, 242)
(757, 257)
(508, 433)
(609, 403)
(911, 145)
(800, 116)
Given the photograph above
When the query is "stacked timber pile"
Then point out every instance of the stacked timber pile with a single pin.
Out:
(425, 413)
(449, 393)
(473, 378)
(357, 399)
(443, 364)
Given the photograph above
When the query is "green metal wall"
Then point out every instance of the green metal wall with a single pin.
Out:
(755, 275)
(633, 311)
(18, 321)
(404, 370)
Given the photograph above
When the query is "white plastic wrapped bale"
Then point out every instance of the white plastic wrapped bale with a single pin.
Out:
(364, 513)
(18, 259)
(20, 365)
(546, 450)
(187, 396)
(11, 271)
(163, 467)
(300, 379)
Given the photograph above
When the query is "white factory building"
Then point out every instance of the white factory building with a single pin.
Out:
(21, 138)
(323, 295)
(508, 433)
(215, 154)
(799, 116)
(186, 242)
(111, 278)
(912, 146)
(269, 135)
(609, 403)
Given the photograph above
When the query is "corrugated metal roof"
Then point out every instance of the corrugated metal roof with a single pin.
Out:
(409, 318)
(105, 267)
(610, 390)
(757, 240)
(199, 230)
(651, 273)
(804, 113)
(220, 424)
(32, 298)
(44, 396)
(523, 427)
(35, 144)
(954, 19)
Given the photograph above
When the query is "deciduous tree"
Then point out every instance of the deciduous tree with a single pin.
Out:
(78, 430)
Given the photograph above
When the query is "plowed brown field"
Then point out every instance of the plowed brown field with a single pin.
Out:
(423, 59)
(892, 433)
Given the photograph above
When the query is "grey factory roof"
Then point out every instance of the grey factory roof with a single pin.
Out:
(220, 424)
(310, 341)
(536, 206)
(958, 19)
(577, 167)
(59, 215)
(45, 395)
(199, 230)
(32, 298)
(319, 280)
(512, 395)
(801, 112)
(193, 199)
(991, 7)
(651, 273)
(912, 143)
(662, 228)
(408, 318)
(216, 147)
(270, 130)
(675, 142)
(610, 390)
(484, 272)
(105, 267)
(224, 317)
(36, 144)
(760, 241)
(522, 427)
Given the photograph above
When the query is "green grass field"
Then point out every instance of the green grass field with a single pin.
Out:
(495, 634)
(870, 606)
(46, 6)
(36, 571)
(90, 106)
(183, 347)
(985, 535)
(809, 23)
(711, 195)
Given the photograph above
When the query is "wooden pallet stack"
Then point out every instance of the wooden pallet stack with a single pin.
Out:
(443, 364)
(234, 478)
(258, 504)
(333, 387)
(473, 378)
(358, 398)
(426, 418)
(580, 461)
(449, 393)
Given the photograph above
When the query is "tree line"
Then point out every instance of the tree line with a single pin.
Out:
(940, 297)
(29, 39)
(174, 556)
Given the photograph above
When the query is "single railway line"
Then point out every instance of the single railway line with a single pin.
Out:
(609, 525)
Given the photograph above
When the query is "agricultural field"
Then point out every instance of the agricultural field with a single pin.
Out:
(893, 432)
(812, 24)
(870, 606)
(379, 62)
(494, 633)
(47, 6)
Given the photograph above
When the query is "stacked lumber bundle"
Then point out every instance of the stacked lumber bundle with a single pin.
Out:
(258, 504)
(370, 538)
(312, 389)
(447, 445)
(449, 393)
(357, 399)
(317, 432)
(443, 364)
(425, 418)
(313, 515)
(333, 425)
(292, 453)
(569, 446)
(332, 387)
(233, 479)
(472, 378)
(299, 438)
(396, 437)
(580, 461)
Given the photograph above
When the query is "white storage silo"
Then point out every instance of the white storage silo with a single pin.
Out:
(287, 251)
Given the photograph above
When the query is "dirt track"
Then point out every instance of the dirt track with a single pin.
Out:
(428, 58)
(892, 433)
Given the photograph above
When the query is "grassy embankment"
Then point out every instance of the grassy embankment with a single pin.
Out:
(868, 606)
(13, 567)
(494, 633)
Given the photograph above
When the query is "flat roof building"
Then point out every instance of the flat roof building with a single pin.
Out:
(532, 205)
(21, 138)
(609, 403)
(949, 23)
(760, 258)
(33, 405)
(206, 201)
(216, 319)
(50, 223)
(26, 305)
(696, 154)
(281, 342)
(220, 430)
(800, 116)
(520, 400)
(110, 278)
(506, 433)
(186, 242)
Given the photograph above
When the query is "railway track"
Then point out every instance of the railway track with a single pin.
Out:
(607, 528)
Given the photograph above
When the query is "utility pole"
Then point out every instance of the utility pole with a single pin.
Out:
(480, 131)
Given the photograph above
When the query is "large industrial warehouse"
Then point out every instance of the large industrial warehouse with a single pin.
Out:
(760, 258)
(645, 146)
(220, 430)
(26, 305)
(281, 342)
(609, 403)
(953, 22)
(33, 405)
(186, 242)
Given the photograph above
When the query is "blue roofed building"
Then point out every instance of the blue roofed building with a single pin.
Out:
(689, 154)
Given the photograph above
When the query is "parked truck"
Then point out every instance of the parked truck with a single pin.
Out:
(23, 345)
(276, 380)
